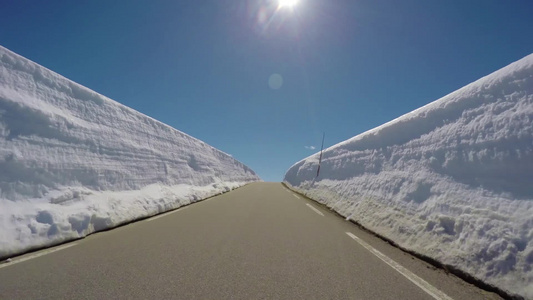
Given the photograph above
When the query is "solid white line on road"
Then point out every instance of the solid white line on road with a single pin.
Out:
(296, 196)
(313, 208)
(166, 214)
(37, 254)
(421, 283)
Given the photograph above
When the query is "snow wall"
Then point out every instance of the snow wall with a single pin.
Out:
(452, 180)
(73, 161)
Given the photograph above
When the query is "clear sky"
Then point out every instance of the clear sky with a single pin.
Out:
(261, 82)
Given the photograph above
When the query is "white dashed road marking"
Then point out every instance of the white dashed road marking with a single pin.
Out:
(421, 283)
(37, 254)
(166, 214)
(314, 209)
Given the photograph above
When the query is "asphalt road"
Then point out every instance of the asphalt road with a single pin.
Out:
(261, 241)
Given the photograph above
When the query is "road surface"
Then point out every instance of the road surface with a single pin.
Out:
(260, 241)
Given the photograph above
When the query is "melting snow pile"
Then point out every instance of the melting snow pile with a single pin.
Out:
(73, 162)
(452, 180)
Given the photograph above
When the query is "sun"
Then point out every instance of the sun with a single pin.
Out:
(287, 3)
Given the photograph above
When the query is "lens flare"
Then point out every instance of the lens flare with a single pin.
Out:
(275, 81)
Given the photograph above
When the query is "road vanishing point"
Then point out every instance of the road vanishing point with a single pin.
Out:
(261, 241)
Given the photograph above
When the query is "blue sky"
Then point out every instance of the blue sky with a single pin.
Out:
(203, 67)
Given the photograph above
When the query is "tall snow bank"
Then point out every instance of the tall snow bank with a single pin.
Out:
(73, 161)
(452, 180)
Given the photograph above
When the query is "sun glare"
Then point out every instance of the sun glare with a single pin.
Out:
(287, 3)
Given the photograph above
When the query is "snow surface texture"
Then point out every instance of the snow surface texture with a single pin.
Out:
(452, 180)
(73, 161)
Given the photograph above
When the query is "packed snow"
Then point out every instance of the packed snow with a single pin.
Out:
(452, 180)
(73, 162)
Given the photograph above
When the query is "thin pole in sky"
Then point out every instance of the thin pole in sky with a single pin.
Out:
(320, 159)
